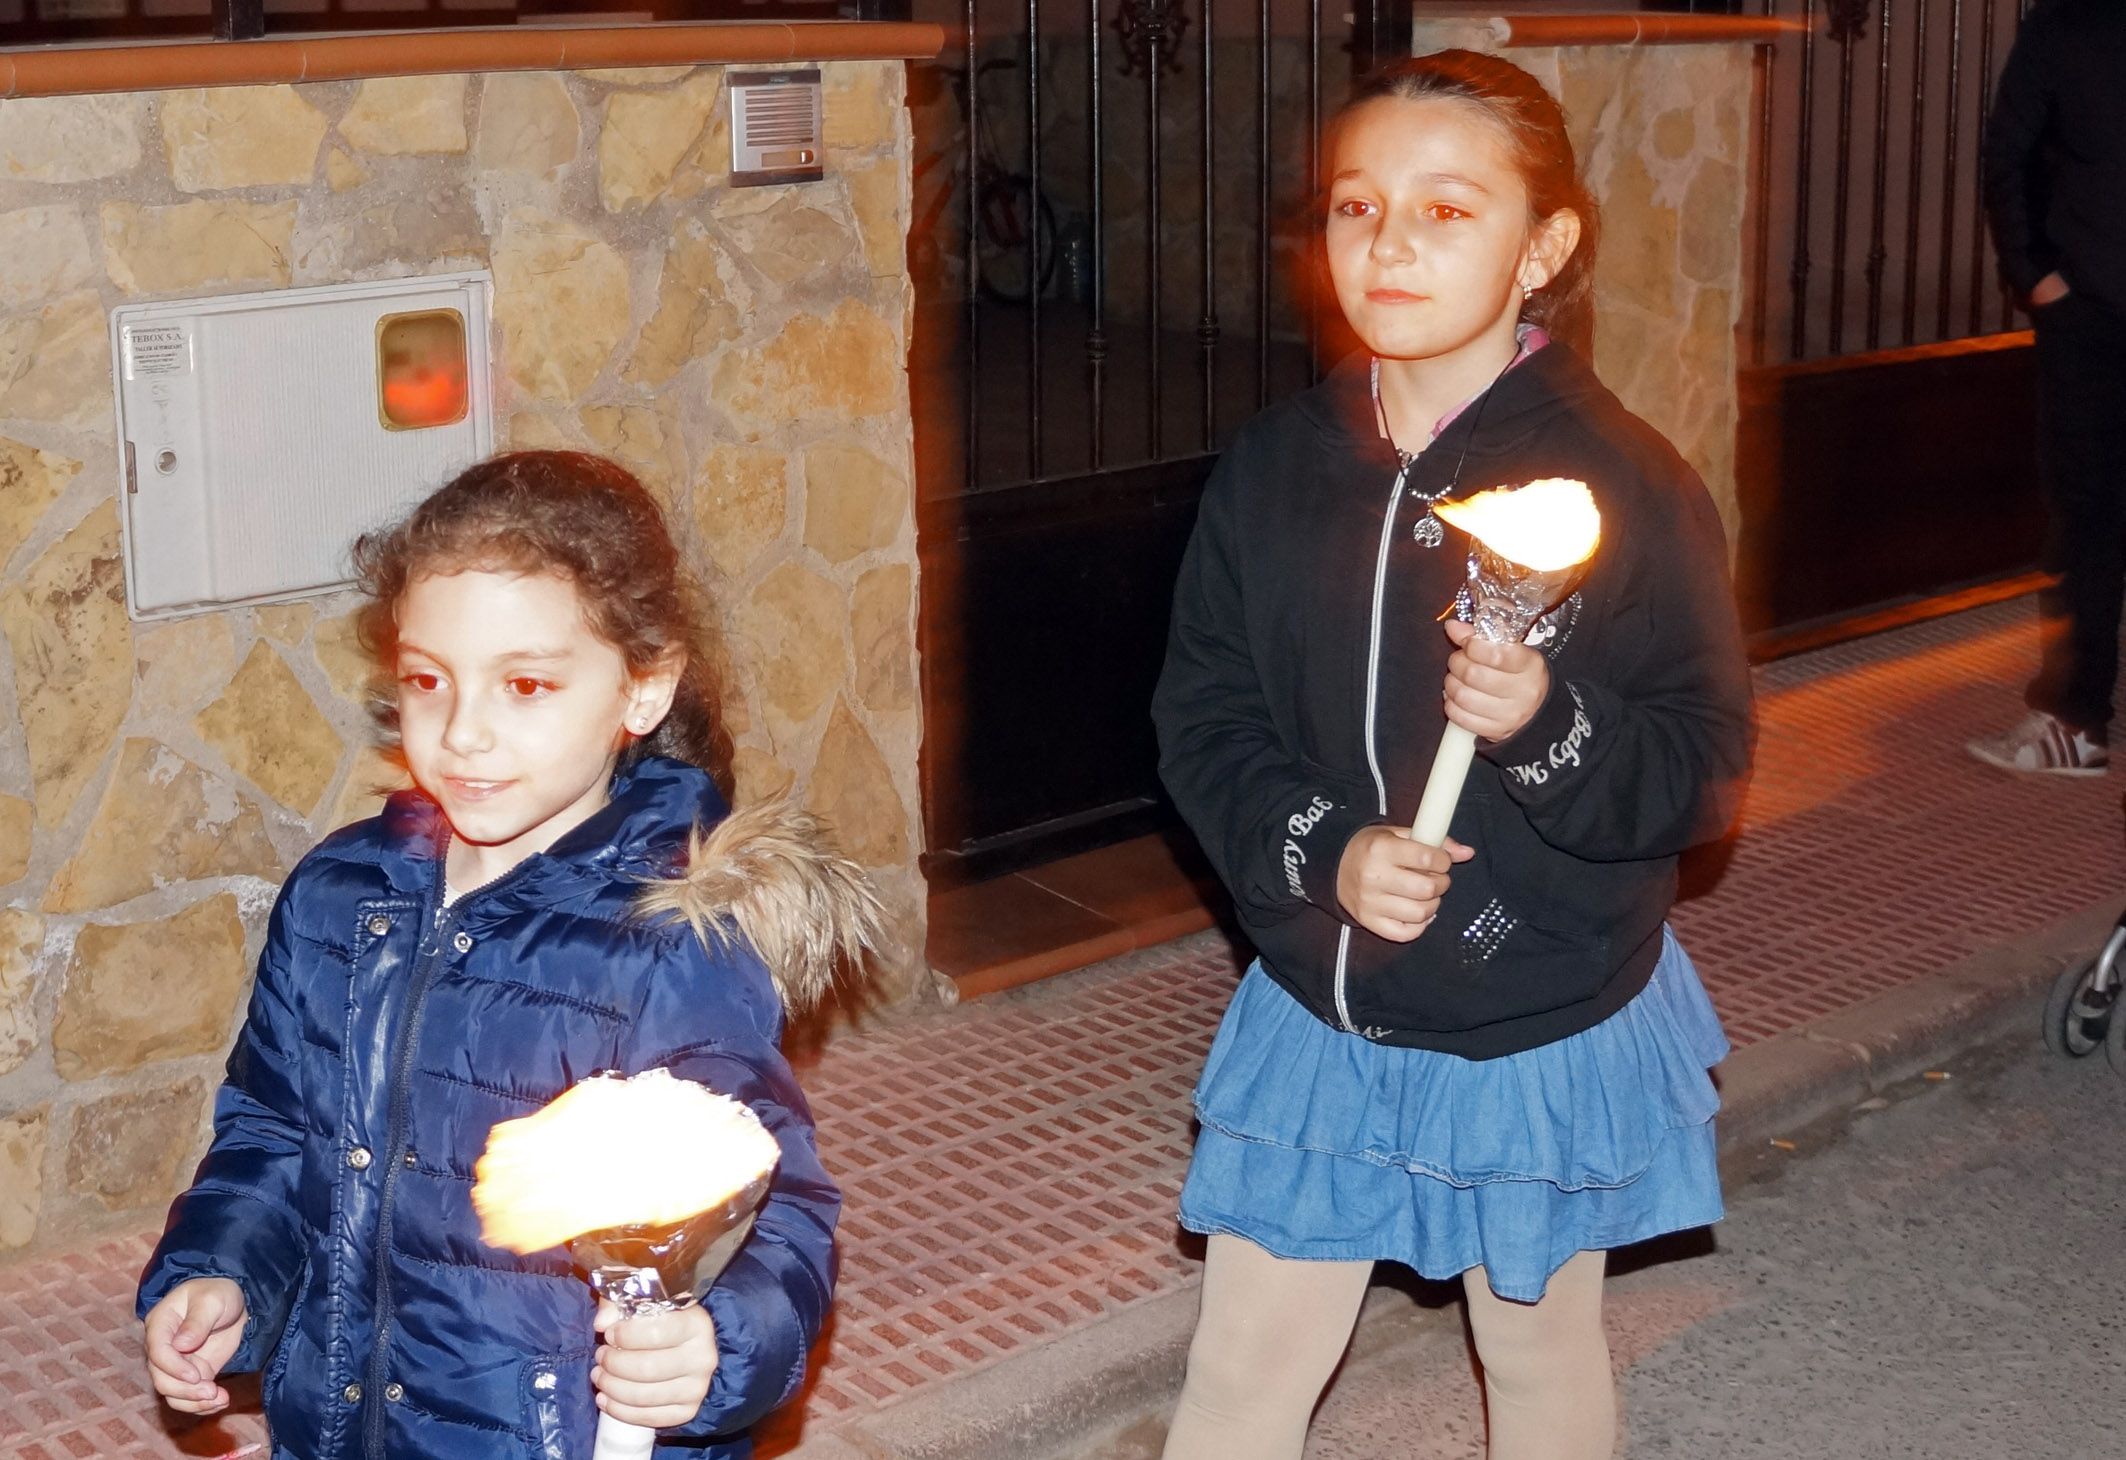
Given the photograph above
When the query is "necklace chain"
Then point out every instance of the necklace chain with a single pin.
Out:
(1404, 457)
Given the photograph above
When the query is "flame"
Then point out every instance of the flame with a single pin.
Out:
(1546, 525)
(610, 1152)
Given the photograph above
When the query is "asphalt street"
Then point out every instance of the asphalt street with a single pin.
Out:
(1940, 1272)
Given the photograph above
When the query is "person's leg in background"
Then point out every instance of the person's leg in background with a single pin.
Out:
(1548, 1393)
(2081, 404)
(2082, 436)
(1271, 1332)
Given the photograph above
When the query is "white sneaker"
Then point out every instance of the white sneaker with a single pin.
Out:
(2043, 745)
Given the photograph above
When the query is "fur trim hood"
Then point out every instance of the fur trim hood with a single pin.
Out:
(770, 874)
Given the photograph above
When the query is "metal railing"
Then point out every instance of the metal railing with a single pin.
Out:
(1871, 263)
(1125, 186)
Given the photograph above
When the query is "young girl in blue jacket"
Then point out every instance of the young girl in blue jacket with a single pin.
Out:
(564, 891)
(1488, 1060)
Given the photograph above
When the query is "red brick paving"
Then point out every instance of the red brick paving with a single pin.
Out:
(1012, 1165)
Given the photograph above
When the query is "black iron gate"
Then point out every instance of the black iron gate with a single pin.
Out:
(1111, 247)
(1873, 234)
(1885, 452)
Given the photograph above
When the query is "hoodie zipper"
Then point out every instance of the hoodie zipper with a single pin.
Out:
(1380, 788)
(426, 974)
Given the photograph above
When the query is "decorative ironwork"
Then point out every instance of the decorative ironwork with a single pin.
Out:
(1849, 20)
(1148, 29)
(1898, 255)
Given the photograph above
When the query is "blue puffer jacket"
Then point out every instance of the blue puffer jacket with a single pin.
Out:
(387, 1035)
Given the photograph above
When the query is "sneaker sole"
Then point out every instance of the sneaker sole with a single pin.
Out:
(1998, 762)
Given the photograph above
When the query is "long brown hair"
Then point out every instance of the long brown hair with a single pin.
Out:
(1541, 150)
(586, 520)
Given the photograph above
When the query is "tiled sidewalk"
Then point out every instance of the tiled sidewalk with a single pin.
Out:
(1012, 1165)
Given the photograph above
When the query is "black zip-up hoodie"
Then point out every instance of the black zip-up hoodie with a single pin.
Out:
(1301, 701)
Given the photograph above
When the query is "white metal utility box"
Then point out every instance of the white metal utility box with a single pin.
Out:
(260, 434)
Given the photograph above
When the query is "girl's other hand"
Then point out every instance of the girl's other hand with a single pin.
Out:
(1493, 690)
(654, 1370)
(190, 1334)
(1391, 884)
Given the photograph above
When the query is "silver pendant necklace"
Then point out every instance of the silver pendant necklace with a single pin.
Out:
(1428, 530)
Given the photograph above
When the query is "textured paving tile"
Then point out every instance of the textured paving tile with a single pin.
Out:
(1012, 1165)
(71, 1382)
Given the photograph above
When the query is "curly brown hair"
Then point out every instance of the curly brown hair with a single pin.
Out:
(1542, 153)
(590, 522)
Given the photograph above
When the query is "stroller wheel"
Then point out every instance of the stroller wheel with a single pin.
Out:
(2115, 1047)
(2078, 1015)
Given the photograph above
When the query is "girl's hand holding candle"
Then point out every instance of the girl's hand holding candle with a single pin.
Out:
(653, 1370)
(1391, 883)
(1493, 690)
(1529, 545)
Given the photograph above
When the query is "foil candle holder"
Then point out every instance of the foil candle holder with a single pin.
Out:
(652, 1183)
(1528, 547)
(1506, 598)
(655, 1269)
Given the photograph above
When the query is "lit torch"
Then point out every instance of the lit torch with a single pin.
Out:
(653, 1182)
(1528, 546)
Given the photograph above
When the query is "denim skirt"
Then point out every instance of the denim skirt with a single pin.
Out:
(1317, 1144)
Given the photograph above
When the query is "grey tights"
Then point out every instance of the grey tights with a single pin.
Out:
(1273, 1329)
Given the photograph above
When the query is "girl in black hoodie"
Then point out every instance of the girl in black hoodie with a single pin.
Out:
(1487, 1060)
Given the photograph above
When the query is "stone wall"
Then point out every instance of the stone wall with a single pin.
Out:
(1663, 136)
(742, 349)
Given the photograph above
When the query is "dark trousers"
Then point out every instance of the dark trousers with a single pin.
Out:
(2081, 364)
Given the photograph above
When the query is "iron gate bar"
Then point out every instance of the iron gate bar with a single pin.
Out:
(1768, 59)
(1798, 276)
(1033, 237)
(1948, 174)
(1207, 324)
(1978, 150)
(1878, 249)
(1156, 10)
(1096, 337)
(2001, 286)
(236, 20)
(2008, 298)
(1262, 215)
(1913, 172)
(971, 183)
(1381, 32)
(1845, 32)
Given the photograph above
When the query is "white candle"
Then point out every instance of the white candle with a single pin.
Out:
(1443, 788)
(619, 1440)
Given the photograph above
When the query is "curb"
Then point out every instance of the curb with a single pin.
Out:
(1793, 1078)
(1131, 1363)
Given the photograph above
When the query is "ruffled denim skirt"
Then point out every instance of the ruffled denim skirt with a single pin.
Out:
(1318, 1144)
